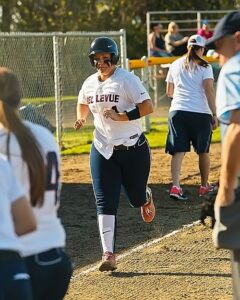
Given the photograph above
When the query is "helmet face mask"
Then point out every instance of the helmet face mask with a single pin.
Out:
(104, 45)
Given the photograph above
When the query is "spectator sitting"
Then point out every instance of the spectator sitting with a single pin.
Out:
(176, 44)
(205, 30)
(156, 42)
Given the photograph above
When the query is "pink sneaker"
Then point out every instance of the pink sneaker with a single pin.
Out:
(177, 193)
(207, 190)
(108, 262)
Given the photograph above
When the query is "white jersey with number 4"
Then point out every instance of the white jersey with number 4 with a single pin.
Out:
(123, 90)
(50, 232)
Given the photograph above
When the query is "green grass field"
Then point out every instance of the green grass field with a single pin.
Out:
(76, 142)
(44, 100)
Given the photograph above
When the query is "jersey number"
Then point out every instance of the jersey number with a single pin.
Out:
(52, 174)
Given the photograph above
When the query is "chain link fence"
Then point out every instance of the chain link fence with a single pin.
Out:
(52, 68)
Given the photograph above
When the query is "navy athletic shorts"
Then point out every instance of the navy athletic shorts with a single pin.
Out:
(186, 129)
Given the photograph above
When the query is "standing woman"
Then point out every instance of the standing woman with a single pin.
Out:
(16, 219)
(33, 153)
(192, 114)
(120, 154)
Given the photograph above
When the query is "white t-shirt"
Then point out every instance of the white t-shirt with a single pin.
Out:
(228, 88)
(50, 232)
(189, 94)
(10, 191)
(123, 90)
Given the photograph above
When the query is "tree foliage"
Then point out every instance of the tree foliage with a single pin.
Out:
(97, 15)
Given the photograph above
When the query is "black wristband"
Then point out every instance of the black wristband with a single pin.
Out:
(133, 114)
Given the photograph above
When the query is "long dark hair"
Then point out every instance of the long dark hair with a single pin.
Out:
(192, 56)
(10, 95)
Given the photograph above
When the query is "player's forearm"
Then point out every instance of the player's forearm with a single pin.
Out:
(210, 94)
(230, 158)
(212, 106)
(178, 43)
(141, 110)
(170, 89)
(82, 111)
(145, 108)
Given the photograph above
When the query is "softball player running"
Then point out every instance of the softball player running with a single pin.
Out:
(33, 153)
(16, 218)
(120, 154)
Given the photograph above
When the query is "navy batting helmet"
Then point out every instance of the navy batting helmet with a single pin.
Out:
(104, 45)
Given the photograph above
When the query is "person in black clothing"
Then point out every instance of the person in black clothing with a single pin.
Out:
(156, 42)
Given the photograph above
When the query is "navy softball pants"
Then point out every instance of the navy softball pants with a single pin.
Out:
(50, 273)
(15, 281)
(126, 168)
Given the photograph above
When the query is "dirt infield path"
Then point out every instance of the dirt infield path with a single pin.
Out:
(182, 266)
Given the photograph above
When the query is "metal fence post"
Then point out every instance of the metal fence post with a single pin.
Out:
(144, 75)
(199, 20)
(57, 89)
(155, 85)
(123, 50)
(148, 32)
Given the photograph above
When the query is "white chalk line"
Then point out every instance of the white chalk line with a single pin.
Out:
(94, 267)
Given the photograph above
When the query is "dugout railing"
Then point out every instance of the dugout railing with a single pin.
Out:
(148, 68)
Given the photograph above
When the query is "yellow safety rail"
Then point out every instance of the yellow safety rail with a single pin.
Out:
(150, 61)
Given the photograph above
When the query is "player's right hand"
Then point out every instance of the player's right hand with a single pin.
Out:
(79, 124)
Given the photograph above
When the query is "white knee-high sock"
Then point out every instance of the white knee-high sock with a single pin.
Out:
(106, 224)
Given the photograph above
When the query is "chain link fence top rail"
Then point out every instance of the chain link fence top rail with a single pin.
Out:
(52, 68)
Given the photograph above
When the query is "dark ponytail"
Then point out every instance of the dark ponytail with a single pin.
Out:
(9, 99)
(192, 56)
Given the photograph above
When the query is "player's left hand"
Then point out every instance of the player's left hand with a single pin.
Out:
(112, 114)
(214, 122)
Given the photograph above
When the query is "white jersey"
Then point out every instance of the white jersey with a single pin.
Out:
(228, 89)
(50, 232)
(123, 90)
(189, 94)
(10, 191)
